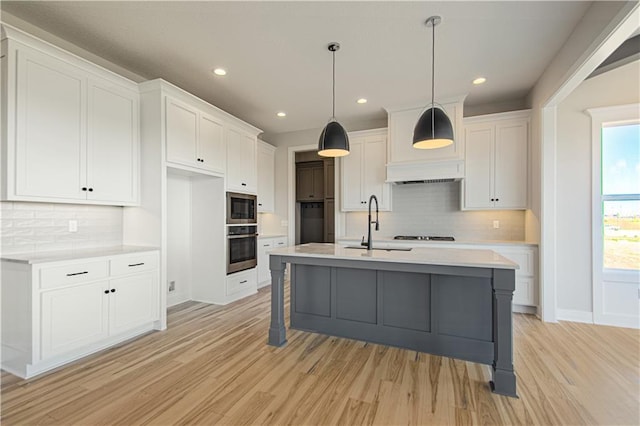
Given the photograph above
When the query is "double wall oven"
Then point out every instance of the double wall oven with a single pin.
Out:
(242, 232)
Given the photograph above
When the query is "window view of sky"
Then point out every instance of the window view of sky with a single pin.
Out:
(621, 167)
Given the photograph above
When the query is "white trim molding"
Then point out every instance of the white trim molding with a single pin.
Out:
(574, 316)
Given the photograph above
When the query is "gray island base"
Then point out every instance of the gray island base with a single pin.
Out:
(447, 302)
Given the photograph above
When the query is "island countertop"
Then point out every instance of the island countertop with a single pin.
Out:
(422, 255)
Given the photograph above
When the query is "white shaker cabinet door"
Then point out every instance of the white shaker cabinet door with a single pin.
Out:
(352, 197)
(241, 162)
(112, 148)
(478, 182)
(511, 164)
(374, 172)
(182, 133)
(133, 301)
(266, 178)
(50, 128)
(73, 317)
(211, 146)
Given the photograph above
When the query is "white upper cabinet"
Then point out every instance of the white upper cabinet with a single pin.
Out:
(194, 138)
(363, 171)
(71, 128)
(266, 177)
(241, 161)
(496, 161)
(211, 146)
(112, 143)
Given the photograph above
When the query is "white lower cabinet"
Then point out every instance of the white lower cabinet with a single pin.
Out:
(132, 301)
(266, 244)
(58, 311)
(241, 284)
(73, 317)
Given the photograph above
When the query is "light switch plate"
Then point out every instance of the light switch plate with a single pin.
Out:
(496, 224)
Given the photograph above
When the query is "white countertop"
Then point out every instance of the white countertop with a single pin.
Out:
(422, 255)
(389, 241)
(62, 255)
(261, 236)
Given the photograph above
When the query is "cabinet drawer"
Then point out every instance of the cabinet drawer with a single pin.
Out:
(133, 264)
(241, 282)
(60, 276)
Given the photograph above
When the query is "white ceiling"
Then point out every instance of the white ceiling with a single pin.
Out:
(276, 56)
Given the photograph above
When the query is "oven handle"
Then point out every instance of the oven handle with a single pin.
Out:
(233, 237)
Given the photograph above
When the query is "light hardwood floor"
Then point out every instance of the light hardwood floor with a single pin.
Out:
(212, 366)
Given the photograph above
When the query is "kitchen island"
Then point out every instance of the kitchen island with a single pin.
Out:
(447, 302)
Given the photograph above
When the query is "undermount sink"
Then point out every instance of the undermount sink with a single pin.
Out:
(381, 248)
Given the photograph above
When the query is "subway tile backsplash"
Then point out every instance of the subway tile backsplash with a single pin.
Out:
(434, 209)
(37, 227)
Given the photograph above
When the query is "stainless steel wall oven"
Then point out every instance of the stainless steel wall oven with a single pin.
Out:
(242, 243)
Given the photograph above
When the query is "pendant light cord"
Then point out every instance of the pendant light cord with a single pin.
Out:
(333, 110)
(433, 79)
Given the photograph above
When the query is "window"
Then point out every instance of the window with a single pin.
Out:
(620, 196)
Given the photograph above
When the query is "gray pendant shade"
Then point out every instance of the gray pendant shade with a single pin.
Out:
(334, 141)
(433, 130)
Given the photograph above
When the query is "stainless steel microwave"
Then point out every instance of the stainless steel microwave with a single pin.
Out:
(241, 208)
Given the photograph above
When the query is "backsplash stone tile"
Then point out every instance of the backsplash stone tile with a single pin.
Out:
(434, 209)
(36, 227)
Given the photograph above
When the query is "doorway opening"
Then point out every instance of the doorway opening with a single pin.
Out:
(314, 198)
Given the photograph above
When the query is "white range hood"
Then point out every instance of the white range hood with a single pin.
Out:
(409, 165)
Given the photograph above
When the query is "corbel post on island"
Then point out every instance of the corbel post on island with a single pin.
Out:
(504, 378)
(277, 331)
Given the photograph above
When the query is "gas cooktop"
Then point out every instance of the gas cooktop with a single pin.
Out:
(422, 238)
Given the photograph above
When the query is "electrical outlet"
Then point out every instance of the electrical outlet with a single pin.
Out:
(496, 224)
(172, 286)
(284, 223)
(73, 226)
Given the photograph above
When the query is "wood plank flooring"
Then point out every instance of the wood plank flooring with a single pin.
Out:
(213, 366)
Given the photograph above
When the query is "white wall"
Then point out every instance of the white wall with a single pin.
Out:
(38, 227)
(434, 209)
(179, 238)
(574, 234)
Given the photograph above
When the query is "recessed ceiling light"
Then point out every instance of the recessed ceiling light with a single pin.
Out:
(479, 80)
(220, 71)
(281, 114)
(362, 101)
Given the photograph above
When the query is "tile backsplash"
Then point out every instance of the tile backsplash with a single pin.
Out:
(434, 209)
(37, 227)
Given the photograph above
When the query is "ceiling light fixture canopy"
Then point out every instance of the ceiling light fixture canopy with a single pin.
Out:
(433, 129)
(334, 141)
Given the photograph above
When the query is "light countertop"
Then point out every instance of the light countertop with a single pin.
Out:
(421, 255)
(389, 242)
(263, 236)
(62, 255)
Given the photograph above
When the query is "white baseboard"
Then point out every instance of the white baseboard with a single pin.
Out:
(523, 309)
(574, 316)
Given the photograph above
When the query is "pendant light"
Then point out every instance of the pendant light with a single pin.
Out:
(333, 139)
(433, 129)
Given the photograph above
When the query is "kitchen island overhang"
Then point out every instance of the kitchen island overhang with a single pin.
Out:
(448, 302)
